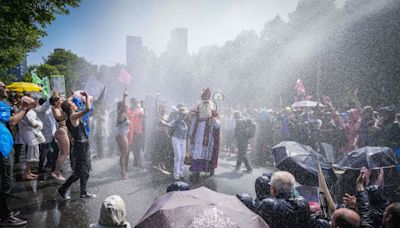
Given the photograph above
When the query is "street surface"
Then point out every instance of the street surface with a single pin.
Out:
(40, 203)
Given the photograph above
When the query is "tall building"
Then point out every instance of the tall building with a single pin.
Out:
(179, 41)
(134, 49)
(19, 70)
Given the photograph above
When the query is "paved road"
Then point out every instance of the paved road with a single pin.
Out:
(44, 208)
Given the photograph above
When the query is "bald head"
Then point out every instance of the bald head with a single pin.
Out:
(345, 218)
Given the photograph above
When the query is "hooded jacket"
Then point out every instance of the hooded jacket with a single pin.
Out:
(284, 211)
(112, 214)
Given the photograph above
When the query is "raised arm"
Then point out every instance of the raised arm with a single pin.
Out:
(44, 107)
(17, 117)
(75, 116)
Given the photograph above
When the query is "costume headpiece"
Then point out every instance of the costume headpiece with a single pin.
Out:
(206, 94)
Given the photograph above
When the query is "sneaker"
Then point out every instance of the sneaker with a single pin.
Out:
(64, 195)
(88, 195)
(12, 221)
(59, 178)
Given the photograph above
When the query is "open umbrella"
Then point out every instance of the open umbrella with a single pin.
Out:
(301, 161)
(307, 104)
(23, 87)
(200, 208)
(370, 157)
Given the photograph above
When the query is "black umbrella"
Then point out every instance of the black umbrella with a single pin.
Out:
(370, 157)
(301, 161)
(199, 208)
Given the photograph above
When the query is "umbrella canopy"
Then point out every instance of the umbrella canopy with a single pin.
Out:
(370, 157)
(200, 208)
(23, 87)
(307, 104)
(301, 161)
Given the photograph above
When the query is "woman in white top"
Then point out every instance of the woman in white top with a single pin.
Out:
(30, 129)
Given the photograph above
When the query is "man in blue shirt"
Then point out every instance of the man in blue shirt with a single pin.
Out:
(7, 217)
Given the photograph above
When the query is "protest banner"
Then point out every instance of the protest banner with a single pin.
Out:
(57, 83)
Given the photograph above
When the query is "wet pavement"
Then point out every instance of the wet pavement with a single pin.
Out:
(39, 202)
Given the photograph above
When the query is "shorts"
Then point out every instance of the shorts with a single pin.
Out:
(32, 155)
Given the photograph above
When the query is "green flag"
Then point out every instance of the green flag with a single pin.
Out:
(35, 78)
(41, 83)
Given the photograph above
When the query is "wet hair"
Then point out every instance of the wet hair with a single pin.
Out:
(262, 186)
(345, 218)
(66, 107)
(394, 210)
(42, 100)
(53, 100)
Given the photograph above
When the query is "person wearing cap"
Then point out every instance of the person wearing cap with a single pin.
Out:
(31, 131)
(7, 121)
(179, 132)
(112, 214)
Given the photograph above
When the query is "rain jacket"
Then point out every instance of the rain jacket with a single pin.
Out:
(363, 209)
(377, 204)
(112, 214)
(284, 211)
(6, 139)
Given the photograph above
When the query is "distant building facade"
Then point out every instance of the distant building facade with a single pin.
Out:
(179, 41)
(134, 50)
(19, 70)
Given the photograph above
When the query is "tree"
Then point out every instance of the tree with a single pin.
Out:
(74, 68)
(23, 23)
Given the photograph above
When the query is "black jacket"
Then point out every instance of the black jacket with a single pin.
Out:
(284, 211)
(364, 210)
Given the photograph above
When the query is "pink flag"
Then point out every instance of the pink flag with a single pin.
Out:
(299, 87)
(124, 76)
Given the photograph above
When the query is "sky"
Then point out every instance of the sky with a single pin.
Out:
(97, 29)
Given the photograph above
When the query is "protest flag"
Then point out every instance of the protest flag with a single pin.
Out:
(42, 83)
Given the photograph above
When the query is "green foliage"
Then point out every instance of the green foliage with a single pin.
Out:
(64, 62)
(6, 77)
(23, 23)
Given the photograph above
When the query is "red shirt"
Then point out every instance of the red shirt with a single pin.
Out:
(135, 118)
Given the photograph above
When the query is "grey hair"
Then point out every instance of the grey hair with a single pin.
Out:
(283, 182)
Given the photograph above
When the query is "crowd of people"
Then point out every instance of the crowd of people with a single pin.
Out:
(51, 130)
